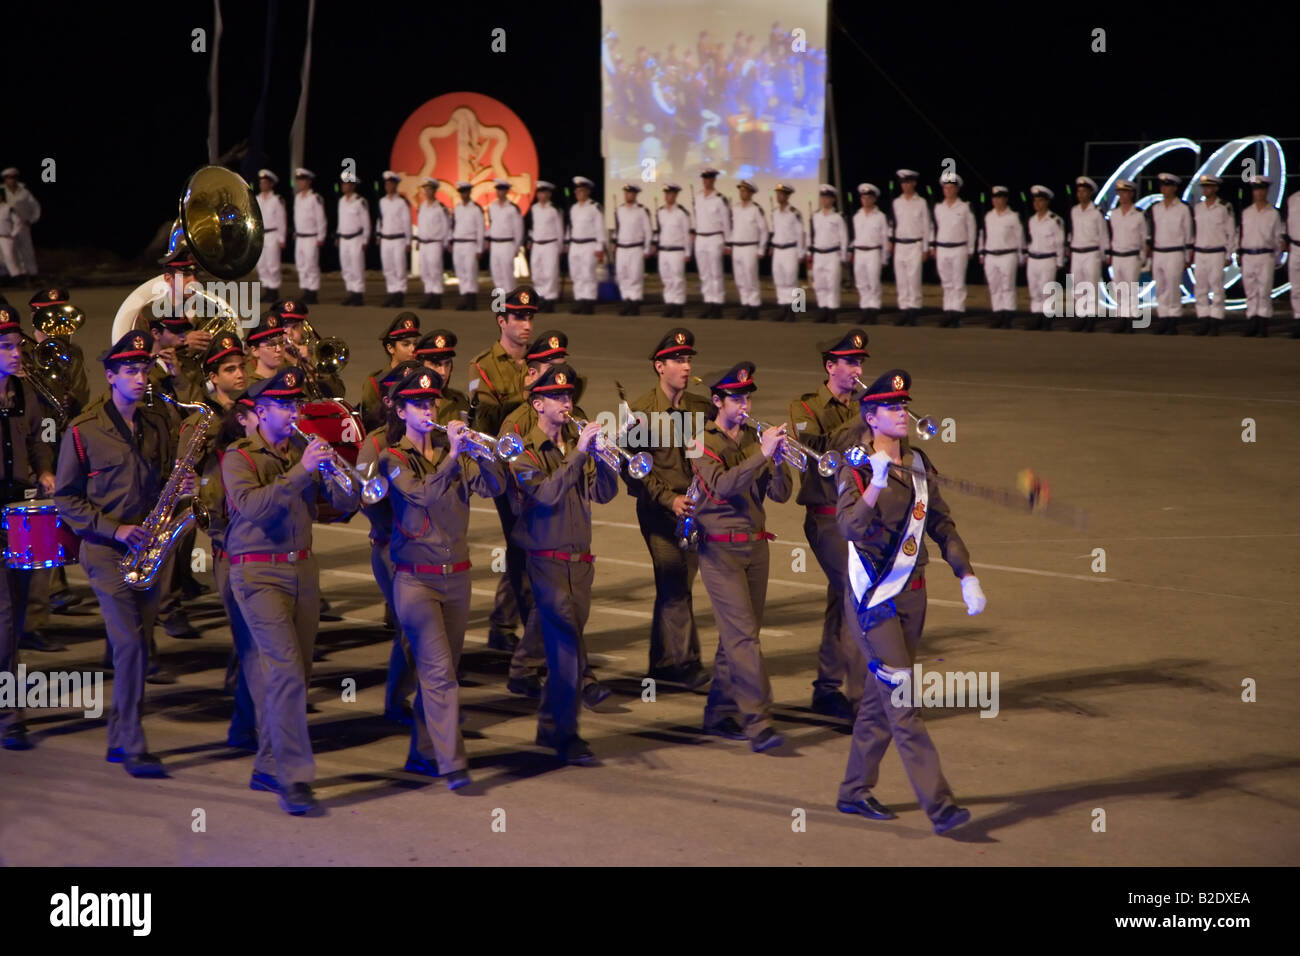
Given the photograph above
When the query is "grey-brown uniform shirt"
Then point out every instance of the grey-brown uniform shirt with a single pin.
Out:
(671, 473)
(737, 477)
(552, 492)
(26, 456)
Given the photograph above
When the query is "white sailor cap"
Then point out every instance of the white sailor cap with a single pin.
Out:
(302, 172)
(390, 175)
(348, 177)
(1208, 180)
(501, 183)
(746, 184)
(462, 186)
(951, 177)
(672, 188)
(582, 181)
(1168, 179)
(9, 171)
(543, 184)
(864, 188)
(907, 174)
(429, 181)
(1041, 191)
(269, 175)
(1260, 182)
(826, 189)
(631, 187)
(1086, 181)
(1000, 191)
(708, 172)
(1126, 184)
(783, 188)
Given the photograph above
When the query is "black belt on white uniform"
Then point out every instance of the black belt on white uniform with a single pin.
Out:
(1215, 249)
(1170, 248)
(1085, 249)
(500, 239)
(398, 236)
(896, 239)
(1041, 255)
(784, 245)
(831, 249)
(718, 233)
(866, 248)
(422, 239)
(304, 235)
(672, 248)
(351, 235)
(998, 252)
(542, 242)
(948, 245)
(1294, 242)
(1121, 254)
(754, 243)
(628, 245)
(469, 239)
(582, 240)
(1257, 252)
(271, 229)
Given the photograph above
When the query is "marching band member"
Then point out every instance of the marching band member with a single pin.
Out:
(110, 475)
(712, 215)
(585, 243)
(1172, 239)
(75, 383)
(1128, 254)
(1215, 227)
(661, 500)
(828, 248)
(816, 416)
(353, 235)
(266, 346)
(633, 244)
(431, 482)
(953, 245)
(437, 350)
(738, 469)
(293, 319)
(271, 486)
(745, 243)
(909, 245)
(467, 240)
(433, 231)
(28, 464)
(275, 226)
(1262, 244)
(1046, 255)
(505, 234)
(553, 484)
(673, 239)
(399, 341)
(309, 230)
(870, 251)
(544, 228)
(786, 245)
(393, 236)
(885, 522)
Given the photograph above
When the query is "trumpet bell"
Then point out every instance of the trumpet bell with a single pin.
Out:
(829, 463)
(222, 222)
(856, 456)
(926, 428)
(509, 447)
(331, 355)
(59, 319)
(639, 465)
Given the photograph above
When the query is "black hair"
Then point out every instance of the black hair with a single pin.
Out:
(230, 430)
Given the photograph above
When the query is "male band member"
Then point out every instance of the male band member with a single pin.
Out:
(28, 470)
(1002, 249)
(393, 236)
(673, 238)
(544, 229)
(1293, 258)
(431, 482)
(399, 341)
(787, 247)
(496, 389)
(75, 385)
(553, 484)
(585, 239)
(828, 247)
(1262, 246)
(954, 244)
(297, 348)
(309, 231)
(816, 416)
(870, 251)
(633, 244)
(712, 215)
(738, 469)
(437, 350)
(468, 238)
(24, 212)
(271, 484)
(886, 521)
(266, 347)
(909, 246)
(1215, 228)
(275, 227)
(1046, 255)
(433, 230)
(1088, 241)
(1172, 239)
(1128, 254)
(353, 235)
(110, 475)
(670, 415)
(745, 243)
(505, 235)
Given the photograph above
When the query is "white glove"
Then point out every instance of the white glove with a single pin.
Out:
(973, 595)
(880, 463)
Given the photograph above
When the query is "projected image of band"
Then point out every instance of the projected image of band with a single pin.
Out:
(740, 86)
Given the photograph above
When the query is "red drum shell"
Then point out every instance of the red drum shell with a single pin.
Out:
(37, 536)
(339, 424)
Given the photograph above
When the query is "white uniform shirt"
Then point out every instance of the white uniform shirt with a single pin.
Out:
(1088, 228)
(748, 224)
(467, 223)
(24, 205)
(829, 232)
(870, 229)
(434, 222)
(787, 228)
(1261, 228)
(632, 226)
(546, 222)
(586, 221)
(1047, 236)
(1216, 226)
(354, 216)
(309, 215)
(912, 220)
(712, 214)
(1293, 219)
(394, 217)
(505, 222)
(274, 222)
(954, 223)
(1171, 226)
(1002, 231)
(1128, 230)
(674, 231)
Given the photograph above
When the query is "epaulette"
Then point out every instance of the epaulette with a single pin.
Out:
(797, 214)
(482, 355)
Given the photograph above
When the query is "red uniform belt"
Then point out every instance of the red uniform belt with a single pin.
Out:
(563, 555)
(218, 553)
(270, 558)
(740, 537)
(822, 509)
(456, 568)
(917, 584)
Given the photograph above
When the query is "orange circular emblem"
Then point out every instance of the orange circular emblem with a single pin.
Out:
(52, 294)
(227, 343)
(857, 341)
(138, 343)
(290, 379)
(424, 381)
(897, 383)
(919, 511)
(561, 378)
(440, 342)
(554, 341)
(742, 375)
(681, 338)
(288, 307)
(909, 547)
(406, 323)
(524, 298)
(273, 321)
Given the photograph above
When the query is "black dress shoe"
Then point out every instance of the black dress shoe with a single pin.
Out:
(15, 738)
(951, 818)
(868, 807)
(499, 640)
(242, 741)
(457, 779)
(144, 765)
(160, 674)
(427, 302)
(114, 755)
(260, 780)
(727, 727)
(594, 694)
(297, 799)
(38, 640)
(577, 751)
(178, 626)
(401, 714)
(833, 704)
(60, 601)
(529, 686)
(310, 296)
(768, 739)
(422, 766)
(464, 304)
(694, 677)
(389, 302)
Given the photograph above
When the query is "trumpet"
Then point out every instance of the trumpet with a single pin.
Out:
(796, 455)
(317, 356)
(926, 428)
(484, 447)
(638, 465)
(373, 485)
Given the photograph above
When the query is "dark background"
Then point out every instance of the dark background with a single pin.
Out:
(115, 95)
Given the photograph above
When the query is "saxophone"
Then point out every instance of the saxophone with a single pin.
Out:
(174, 514)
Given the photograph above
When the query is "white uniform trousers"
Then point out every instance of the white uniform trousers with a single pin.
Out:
(431, 267)
(907, 274)
(24, 251)
(785, 273)
(826, 279)
(1293, 273)
(1085, 267)
(1000, 274)
(629, 267)
(708, 260)
(744, 269)
(306, 259)
(544, 264)
(393, 255)
(1208, 272)
(9, 256)
(268, 264)
(866, 276)
(951, 262)
(464, 260)
(1126, 273)
(352, 262)
(1039, 274)
(1167, 269)
(672, 272)
(1257, 282)
(501, 262)
(582, 269)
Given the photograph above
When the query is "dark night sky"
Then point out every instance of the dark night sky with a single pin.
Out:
(120, 101)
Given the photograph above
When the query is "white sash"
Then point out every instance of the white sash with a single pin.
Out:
(904, 558)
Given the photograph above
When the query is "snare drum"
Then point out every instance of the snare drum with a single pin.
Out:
(37, 536)
(339, 424)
